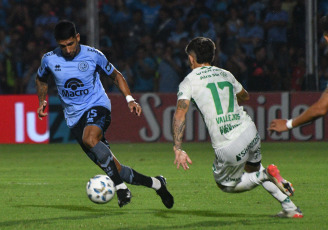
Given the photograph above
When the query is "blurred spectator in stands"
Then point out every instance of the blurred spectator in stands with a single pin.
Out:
(288, 6)
(237, 65)
(105, 43)
(258, 79)
(108, 8)
(163, 25)
(143, 71)
(47, 20)
(34, 8)
(19, 16)
(181, 54)
(121, 13)
(15, 64)
(177, 34)
(298, 28)
(233, 26)
(221, 11)
(284, 64)
(193, 13)
(323, 7)
(276, 26)
(2, 78)
(178, 14)
(3, 13)
(38, 37)
(259, 8)
(251, 35)
(150, 9)
(132, 32)
(221, 58)
(204, 27)
(4, 41)
(169, 72)
(147, 41)
(125, 70)
(298, 73)
(32, 61)
(275, 79)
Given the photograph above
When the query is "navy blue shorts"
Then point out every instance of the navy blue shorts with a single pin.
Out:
(99, 116)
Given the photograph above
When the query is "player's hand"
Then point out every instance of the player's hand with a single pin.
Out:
(41, 109)
(278, 125)
(135, 107)
(181, 158)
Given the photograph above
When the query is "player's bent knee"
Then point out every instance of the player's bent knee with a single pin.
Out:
(89, 141)
(227, 189)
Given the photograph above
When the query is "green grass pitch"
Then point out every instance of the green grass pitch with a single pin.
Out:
(43, 187)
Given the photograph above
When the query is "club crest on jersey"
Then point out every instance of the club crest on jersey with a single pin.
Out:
(83, 66)
(72, 86)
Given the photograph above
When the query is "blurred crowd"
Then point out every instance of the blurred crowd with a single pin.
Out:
(262, 42)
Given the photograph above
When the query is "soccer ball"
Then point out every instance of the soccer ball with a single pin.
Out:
(100, 189)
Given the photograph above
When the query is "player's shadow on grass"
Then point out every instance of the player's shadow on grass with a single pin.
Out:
(203, 213)
(78, 208)
(90, 213)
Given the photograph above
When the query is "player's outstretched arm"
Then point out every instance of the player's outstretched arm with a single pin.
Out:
(318, 109)
(242, 96)
(121, 83)
(42, 90)
(178, 127)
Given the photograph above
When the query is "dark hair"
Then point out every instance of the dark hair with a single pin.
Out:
(324, 24)
(203, 48)
(64, 30)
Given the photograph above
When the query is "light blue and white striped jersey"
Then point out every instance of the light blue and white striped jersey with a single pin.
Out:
(78, 83)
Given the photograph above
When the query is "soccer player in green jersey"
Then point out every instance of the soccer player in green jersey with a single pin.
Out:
(237, 166)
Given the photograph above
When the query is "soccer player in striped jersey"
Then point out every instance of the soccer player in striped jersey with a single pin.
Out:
(216, 93)
(76, 69)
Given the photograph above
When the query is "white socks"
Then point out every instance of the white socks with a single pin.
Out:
(121, 186)
(251, 180)
(285, 201)
(248, 182)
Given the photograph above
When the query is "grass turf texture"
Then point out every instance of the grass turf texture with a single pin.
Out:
(43, 187)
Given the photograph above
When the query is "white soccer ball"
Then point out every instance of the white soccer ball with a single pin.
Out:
(100, 189)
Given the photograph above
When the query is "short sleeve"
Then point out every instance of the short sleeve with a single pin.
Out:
(185, 90)
(236, 84)
(104, 64)
(43, 69)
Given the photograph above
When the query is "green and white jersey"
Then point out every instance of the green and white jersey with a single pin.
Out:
(214, 90)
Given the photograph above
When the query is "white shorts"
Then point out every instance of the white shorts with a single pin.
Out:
(230, 160)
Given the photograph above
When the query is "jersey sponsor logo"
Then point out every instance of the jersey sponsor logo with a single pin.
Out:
(74, 84)
(240, 155)
(94, 51)
(83, 66)
(57, 68)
